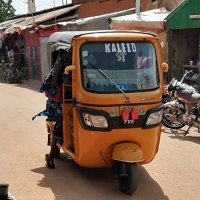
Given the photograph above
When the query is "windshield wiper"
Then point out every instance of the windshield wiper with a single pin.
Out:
(110, 81)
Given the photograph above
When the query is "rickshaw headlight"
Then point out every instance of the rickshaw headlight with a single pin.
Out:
(95, 121)
(154, 118)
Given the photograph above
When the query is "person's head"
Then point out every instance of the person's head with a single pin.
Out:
(112, 60)
(140, 53)
(91, 59)
(66, 57)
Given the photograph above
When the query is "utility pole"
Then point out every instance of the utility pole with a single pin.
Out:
(31, 8)
(54, 10)
(137, 6)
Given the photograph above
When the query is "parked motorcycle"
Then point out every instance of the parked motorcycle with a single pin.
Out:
(185, 108)
(166, 97)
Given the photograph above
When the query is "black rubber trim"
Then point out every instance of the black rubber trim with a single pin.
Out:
(117, 91)
(68, 101)
(81, 111)
(111, 105)
(115, 122)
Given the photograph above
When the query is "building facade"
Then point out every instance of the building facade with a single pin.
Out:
(98, 7)
(183, 31)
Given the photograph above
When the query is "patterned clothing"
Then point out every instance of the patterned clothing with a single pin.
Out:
(53, 110)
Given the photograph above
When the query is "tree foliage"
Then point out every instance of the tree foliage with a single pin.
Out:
(6, 10)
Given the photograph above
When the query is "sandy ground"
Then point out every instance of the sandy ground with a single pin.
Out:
(174, 173)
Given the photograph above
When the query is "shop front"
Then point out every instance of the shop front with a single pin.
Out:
(12, 49)
(43, 40)
(183, 34)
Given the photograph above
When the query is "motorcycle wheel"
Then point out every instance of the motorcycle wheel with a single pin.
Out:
(167, 116)
(166, 98)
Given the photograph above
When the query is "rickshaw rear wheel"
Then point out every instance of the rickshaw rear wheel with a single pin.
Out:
(129, 178)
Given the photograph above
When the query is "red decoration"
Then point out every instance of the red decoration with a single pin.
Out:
(125, 115)
(134, 114)
(149, 86)
(48, 32)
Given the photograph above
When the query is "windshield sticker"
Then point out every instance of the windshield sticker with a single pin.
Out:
(125, 86)
(120, 47)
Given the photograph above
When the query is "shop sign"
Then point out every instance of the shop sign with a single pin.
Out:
(48, 32)
(194, 16)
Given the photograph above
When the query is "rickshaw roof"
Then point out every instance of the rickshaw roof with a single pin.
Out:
(66, 37)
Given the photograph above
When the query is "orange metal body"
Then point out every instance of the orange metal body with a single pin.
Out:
(96, 148)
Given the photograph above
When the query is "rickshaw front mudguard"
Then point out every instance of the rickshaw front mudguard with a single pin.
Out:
(127, 152)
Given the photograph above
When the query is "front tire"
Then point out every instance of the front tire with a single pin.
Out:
(178, 122)
(128, 182)
(166, 98)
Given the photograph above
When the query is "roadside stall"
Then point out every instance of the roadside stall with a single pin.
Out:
(183, 28)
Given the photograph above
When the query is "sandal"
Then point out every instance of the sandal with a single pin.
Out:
(50, 163)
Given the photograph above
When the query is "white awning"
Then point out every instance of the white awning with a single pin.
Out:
(151, 19)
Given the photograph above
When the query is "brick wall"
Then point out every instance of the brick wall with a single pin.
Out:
(98, 7)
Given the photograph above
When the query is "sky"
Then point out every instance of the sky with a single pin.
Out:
(21, 6)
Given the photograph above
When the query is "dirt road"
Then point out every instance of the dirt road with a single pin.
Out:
(174, 173)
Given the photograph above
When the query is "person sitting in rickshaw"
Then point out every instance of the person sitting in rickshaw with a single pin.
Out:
(52, 86)
(143, 61)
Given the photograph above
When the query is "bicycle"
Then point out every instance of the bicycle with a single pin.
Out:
(25, 73)
(4, 74)
(23, 70)
(12, 74)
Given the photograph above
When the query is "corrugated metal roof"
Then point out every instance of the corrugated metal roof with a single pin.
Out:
(8, 23)
(148, 19)
(26, 22)
(45, 16)
(41, 11)
(97, 18)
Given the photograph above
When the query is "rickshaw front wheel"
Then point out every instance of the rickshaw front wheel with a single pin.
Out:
(129, 178)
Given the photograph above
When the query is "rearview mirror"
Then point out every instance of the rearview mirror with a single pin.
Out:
(164, 67)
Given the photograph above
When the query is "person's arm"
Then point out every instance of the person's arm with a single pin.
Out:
(54, 78)
(143, 62)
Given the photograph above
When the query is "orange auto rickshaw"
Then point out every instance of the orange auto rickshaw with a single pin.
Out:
(114, 116)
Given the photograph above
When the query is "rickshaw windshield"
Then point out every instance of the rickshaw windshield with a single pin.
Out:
(111, 66)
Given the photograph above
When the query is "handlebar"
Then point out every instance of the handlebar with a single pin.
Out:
(174, 83)
(185, 76)
(177, 88)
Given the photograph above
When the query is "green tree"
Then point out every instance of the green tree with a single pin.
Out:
(6, 10)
